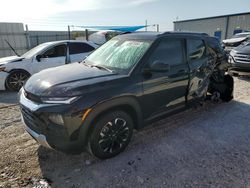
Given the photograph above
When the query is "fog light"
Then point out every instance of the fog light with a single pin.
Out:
(57, 119)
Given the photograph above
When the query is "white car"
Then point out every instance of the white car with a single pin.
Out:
(235, 41)
(14, 70)
(103, 36)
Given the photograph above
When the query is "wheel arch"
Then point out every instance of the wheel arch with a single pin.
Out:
(129, 105)
(14, 70)
(22, 70)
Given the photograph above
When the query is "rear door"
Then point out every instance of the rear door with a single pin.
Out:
(199, 68)
(52, 57)
(78, 51)
(164, 90)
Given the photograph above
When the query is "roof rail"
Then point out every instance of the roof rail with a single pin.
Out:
(184, 32)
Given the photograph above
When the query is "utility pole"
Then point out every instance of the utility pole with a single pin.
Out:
(87, 34)
(27, 36)
(69, 32)
(157, 27)
(146, 25)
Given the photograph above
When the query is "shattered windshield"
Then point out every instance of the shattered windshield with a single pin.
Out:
(119, 55)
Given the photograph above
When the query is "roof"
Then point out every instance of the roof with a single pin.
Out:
(140, 35)
(72, 41)
(154, 35)
(213, 17)
(243, 33)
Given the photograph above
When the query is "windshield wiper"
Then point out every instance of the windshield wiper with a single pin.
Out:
(101, 67)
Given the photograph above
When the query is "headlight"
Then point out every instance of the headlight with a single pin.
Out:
(59, 100)
(57, 119)
(233, 53)
(230, 59)
(2, 68)
(63, 90)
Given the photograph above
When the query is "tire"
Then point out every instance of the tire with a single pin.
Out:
(107, 140)
(224, 89)
(227, 95)
(16, 79)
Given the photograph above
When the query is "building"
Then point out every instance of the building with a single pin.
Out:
(14, 34)
(222, 27)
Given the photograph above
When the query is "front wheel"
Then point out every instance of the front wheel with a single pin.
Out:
(111, 135)
(16, 80)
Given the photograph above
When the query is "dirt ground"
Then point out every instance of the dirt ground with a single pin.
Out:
(206, 146)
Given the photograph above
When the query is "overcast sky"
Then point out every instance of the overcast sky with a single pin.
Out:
(57, 14)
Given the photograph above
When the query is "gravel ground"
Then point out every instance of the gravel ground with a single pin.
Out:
(206, 146)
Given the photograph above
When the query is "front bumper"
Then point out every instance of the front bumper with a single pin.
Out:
(240, 68)
(3, 76)
(60, 137)
(40, 138)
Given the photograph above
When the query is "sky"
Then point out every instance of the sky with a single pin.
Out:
(58, 14)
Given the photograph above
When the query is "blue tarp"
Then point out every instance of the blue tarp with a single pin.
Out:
(116, 28)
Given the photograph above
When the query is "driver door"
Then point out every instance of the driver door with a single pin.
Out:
(52, 57)
(165, 89)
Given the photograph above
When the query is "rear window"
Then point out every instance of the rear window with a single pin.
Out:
(196, 49)
(78, 48)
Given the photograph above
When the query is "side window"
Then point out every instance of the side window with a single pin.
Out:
(215, 45)
(196, 48)
(56, 51)
(78, 48)
(168, 51)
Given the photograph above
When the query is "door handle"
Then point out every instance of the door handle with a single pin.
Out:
(182, 71)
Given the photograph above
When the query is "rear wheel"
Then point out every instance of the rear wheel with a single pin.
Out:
(222, 89)
(111, 135)
(227, 95)
(16, 80)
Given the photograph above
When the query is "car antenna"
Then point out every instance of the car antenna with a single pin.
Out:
(12, 48)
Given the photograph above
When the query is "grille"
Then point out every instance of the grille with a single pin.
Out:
(242, 58)
(33, 120)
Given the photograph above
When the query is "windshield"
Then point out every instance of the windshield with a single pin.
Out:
(119, 55)
(33, 51)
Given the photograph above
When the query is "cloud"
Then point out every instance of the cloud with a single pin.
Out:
(30, 9)
(140, 2)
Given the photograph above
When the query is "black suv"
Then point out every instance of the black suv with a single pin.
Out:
(126, 83)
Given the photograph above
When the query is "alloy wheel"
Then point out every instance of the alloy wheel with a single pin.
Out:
(114, 135)
(17, 80)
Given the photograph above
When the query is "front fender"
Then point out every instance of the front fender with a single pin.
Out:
(3, 77)
(105, 106)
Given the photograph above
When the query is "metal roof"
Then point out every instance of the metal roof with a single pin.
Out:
(213, 17)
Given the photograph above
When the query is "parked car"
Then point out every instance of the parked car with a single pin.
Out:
(240, 60)
(103, 36)
(235, 41)
(123, 85)
(14, 70)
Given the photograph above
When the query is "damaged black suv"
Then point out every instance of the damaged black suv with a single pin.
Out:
(126, 83)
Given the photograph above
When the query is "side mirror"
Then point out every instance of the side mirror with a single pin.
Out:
(159, 66)
(39, 57)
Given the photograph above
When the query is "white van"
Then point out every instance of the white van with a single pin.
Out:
(14, 70)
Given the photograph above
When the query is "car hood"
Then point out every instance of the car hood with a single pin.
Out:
(244, 49)
(75, 75)
(10, 59)
(234, 40)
